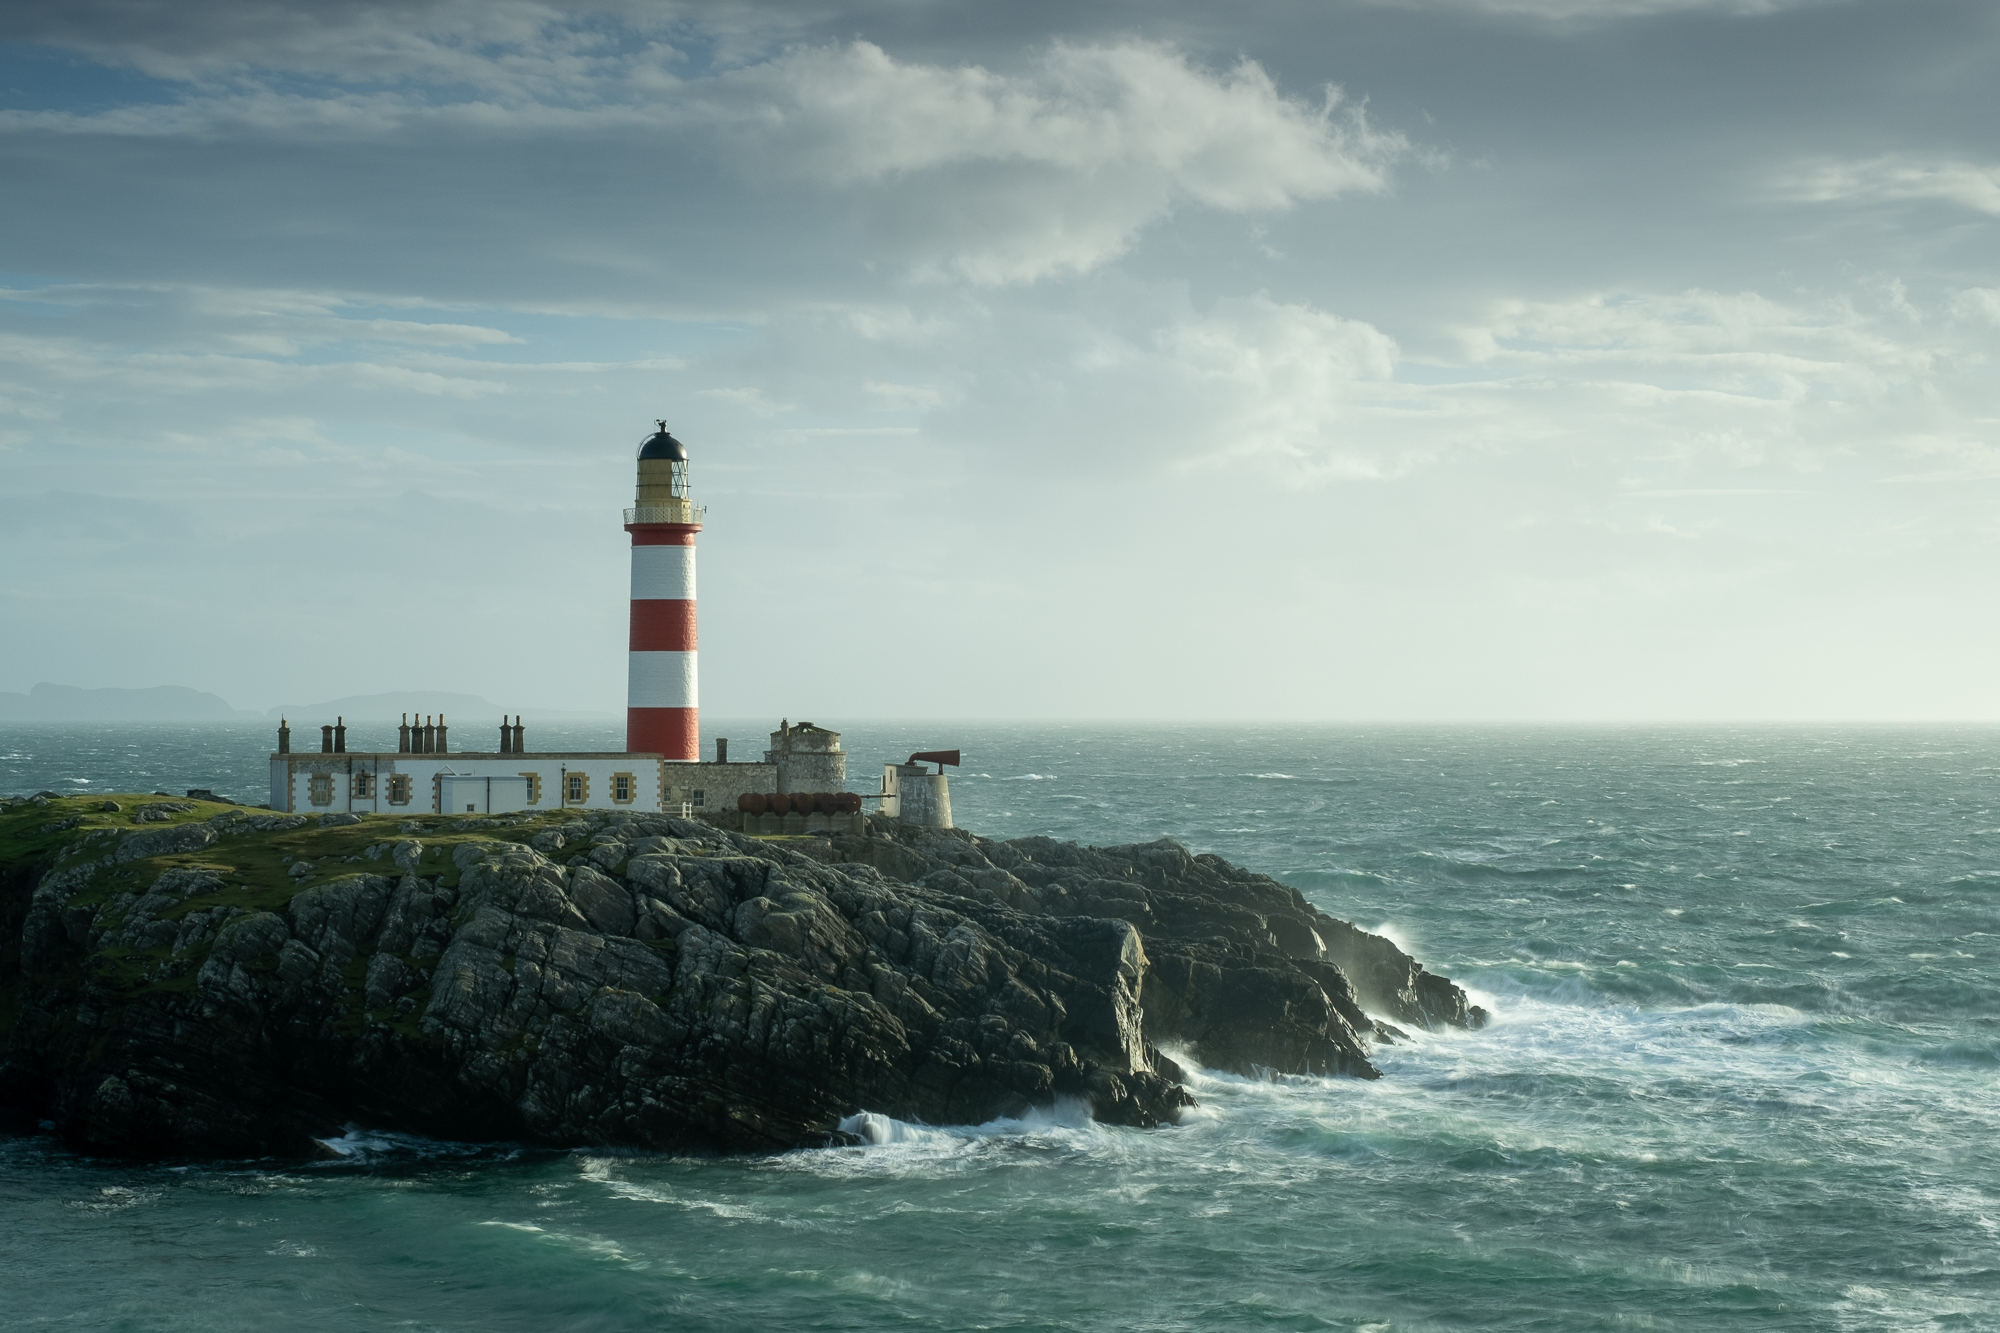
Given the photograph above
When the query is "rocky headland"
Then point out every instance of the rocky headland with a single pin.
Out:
(186, 977)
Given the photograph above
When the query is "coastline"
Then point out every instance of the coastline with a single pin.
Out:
(193, 977)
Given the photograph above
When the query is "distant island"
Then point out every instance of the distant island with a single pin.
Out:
(191, 977)
(162, 703)
(177, 703)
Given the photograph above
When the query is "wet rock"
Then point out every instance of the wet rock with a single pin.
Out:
(674, 987)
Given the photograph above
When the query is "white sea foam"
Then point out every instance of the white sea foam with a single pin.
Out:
(877, 1130)
(1397, 936)
(599, 1246)
(360, 1146)
(114, 1199)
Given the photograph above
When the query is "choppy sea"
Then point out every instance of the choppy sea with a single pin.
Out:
(1744, 1074)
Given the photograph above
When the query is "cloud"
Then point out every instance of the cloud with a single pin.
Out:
(262, 322)
(754, 401)
(1980, 303)
(1599, 450)
(1605, 10)
(1895, 178)
(1746, 340)
(516, 44)
(854, 114)
(942, 172)
(985, 334)
(1285, 383)
(1055, 168)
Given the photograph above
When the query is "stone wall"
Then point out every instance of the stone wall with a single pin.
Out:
(716, 785)
(766, 824)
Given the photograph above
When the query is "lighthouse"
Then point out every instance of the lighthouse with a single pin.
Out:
(661, 697)
(660, 769)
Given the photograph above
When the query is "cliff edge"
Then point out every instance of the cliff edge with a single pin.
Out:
(185, 977)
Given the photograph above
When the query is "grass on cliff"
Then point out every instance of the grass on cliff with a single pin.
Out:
(253, 866)
(252, 872)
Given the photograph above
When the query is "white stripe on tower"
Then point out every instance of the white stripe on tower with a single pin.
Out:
(663, 680)
(663, 573)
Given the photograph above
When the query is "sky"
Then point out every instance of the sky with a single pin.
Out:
(1370, 360)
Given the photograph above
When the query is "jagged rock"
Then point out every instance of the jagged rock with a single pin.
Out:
(676, 986)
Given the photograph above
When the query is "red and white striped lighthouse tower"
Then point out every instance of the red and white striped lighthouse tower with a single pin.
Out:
(662, 689)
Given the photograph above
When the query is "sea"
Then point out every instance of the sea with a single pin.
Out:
(1743, 1073)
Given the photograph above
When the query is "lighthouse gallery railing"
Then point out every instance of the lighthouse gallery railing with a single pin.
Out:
(677, 511)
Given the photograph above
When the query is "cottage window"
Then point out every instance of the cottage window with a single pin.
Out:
(621, 788)
(322, 789)
(399, 789)
(700, 797)
(576, 790)
(363, 787)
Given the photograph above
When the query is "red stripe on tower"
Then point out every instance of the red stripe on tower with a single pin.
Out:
(662, 699)
(673, 732)
(662, 626)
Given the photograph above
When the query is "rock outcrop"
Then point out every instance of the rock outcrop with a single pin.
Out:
(245, 983)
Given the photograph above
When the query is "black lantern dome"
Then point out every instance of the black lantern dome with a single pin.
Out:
(663, 447)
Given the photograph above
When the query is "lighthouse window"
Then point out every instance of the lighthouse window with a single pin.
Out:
(399, 789)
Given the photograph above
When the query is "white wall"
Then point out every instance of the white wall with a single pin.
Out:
(291, 780)
(485, 795)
